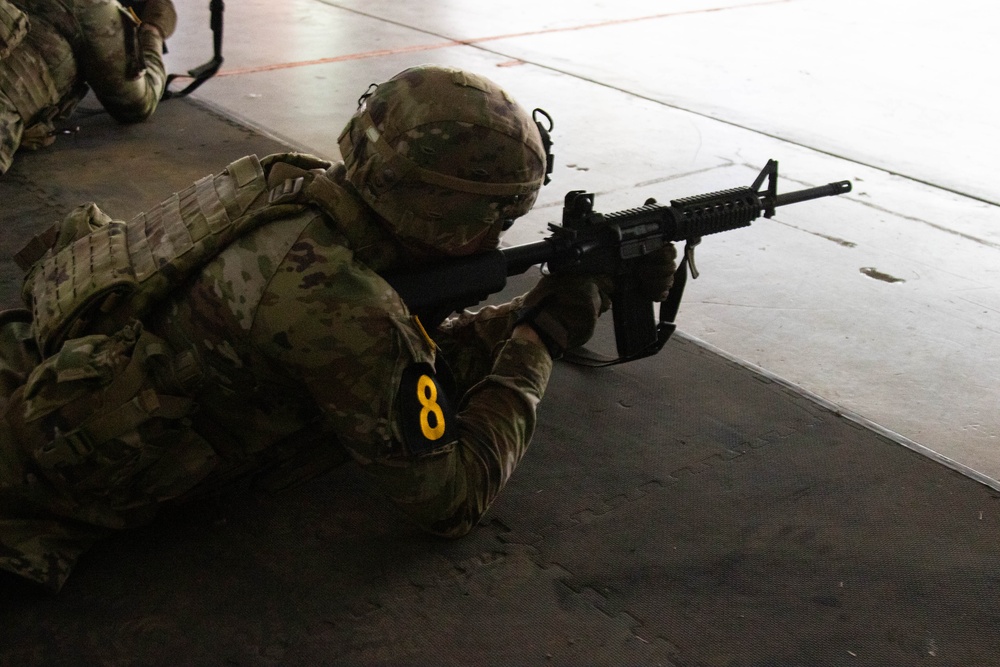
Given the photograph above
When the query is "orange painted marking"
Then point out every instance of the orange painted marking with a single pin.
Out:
(478, 40)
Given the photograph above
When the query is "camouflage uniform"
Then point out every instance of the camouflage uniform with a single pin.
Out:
(52, 50)
(304, 345)
(304, 355)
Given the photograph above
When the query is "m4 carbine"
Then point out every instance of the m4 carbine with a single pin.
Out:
(592, 243)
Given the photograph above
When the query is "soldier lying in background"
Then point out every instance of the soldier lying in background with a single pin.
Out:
(52, 52)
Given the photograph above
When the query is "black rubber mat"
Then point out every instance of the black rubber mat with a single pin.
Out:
(681, 510)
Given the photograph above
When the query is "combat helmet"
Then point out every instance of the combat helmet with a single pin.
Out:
(446, 157)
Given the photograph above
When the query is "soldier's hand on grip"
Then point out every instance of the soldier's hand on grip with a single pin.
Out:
(161, 15)
(655, 272)
(563, 310)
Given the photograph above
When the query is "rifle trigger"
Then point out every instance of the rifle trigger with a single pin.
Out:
(689, 255)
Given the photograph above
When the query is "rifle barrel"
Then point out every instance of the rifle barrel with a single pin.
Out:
(828, 190)
(520, 258)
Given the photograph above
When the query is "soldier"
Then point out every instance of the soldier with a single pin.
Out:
(243, 326)
(51, 52)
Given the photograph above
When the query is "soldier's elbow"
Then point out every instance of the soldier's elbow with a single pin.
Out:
(132, 115)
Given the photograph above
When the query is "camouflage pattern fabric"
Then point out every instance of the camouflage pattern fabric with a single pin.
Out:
(96, 261)
(34, 542)
(306, 357)
(446, 157)
(296, 331)
(94, 438)
(70, 45)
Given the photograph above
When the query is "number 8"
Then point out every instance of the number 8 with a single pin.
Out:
(427, 395)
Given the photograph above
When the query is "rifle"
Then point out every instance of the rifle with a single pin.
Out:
(207, 70)
(201, 73)
(588, 242)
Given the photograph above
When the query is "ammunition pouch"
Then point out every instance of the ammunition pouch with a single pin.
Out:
(101, 274)
(13, 27)
(26, 79)
(105, 420)
(92, 274)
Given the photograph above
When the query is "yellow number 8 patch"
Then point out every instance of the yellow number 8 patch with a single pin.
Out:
(425, 415)
(427, 394)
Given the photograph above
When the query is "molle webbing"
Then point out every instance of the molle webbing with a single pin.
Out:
(13, 27)
(115, 273)
(65, 285)
(26, 81)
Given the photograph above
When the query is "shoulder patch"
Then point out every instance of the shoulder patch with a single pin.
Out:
(425, 411)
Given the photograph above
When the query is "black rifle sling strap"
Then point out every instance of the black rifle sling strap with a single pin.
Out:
(665, 328)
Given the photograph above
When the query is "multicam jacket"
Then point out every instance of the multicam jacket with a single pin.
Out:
(306, 356)
(52, 50)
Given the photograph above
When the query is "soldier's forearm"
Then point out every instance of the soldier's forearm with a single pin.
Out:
(129, 84)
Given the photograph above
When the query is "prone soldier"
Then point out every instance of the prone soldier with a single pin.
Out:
(51, 53)
(243, 330)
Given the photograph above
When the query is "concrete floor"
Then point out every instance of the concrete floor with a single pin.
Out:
(739, 523)
(674, 99)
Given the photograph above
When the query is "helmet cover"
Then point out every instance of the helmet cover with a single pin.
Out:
(446, 157)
